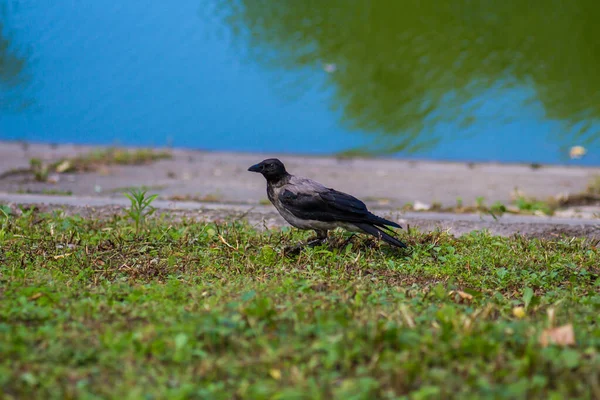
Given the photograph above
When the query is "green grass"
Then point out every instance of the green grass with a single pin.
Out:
(89, 309)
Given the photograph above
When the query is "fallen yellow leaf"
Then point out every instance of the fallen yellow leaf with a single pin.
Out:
(463, 295)
(275, 373)
(561, 336)
(63, 166)
(62, 256)
(519, 312)
(36, 296)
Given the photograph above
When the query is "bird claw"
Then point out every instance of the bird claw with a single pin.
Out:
(316, 242)
(293, 250)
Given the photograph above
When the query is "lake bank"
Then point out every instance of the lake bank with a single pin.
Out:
(223, 177)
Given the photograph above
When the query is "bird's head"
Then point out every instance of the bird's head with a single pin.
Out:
(272, 169)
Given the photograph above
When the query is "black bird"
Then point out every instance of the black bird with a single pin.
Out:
(307, 204)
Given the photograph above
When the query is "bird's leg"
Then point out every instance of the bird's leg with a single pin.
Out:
(320, 239)
(293, 250)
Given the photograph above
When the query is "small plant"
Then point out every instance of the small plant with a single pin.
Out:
(140, 207)
(5, 213)
(436, 206)
(498, 208)
(40, 171)
(533, 205)
(480, 203)
(593, 186)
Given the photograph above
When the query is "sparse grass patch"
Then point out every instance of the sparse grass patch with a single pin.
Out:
(521, 204)
(593, 186)
(97, 159)
(590, 196)
(90, 162)
(534, 206)
(89, 308)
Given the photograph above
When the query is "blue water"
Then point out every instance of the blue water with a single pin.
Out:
(154, 73)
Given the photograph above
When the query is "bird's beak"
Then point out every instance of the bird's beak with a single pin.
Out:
(255, 168)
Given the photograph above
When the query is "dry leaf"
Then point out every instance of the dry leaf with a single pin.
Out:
(463, 295)
(63, 166)
(36, 296)
(562, 336)
(62, 256)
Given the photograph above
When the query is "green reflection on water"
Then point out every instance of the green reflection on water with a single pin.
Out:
(399, 67)
(13, 66)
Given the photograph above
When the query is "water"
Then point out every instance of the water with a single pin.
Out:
(452, 80)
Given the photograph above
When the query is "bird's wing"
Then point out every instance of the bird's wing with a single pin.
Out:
(307, 199)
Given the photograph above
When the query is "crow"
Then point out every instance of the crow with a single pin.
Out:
(307, 204)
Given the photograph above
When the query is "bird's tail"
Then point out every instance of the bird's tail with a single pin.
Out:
(382, 222)
(378, 233)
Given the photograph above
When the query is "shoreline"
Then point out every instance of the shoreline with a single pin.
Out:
(338, 156)
(222, 177)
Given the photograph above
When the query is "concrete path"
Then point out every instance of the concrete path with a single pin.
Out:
(223, 177)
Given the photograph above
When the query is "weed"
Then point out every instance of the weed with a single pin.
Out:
(39, 170)
(5, 211)
(593, 186)
(140, 207)
(533, 205)
(480, 203)
(459, 202)
(5, 214)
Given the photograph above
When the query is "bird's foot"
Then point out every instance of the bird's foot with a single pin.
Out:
(293, 250)
(317, 241)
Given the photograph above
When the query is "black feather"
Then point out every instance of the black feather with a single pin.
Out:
(382, 222)
(332, 206)
(378, 233)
